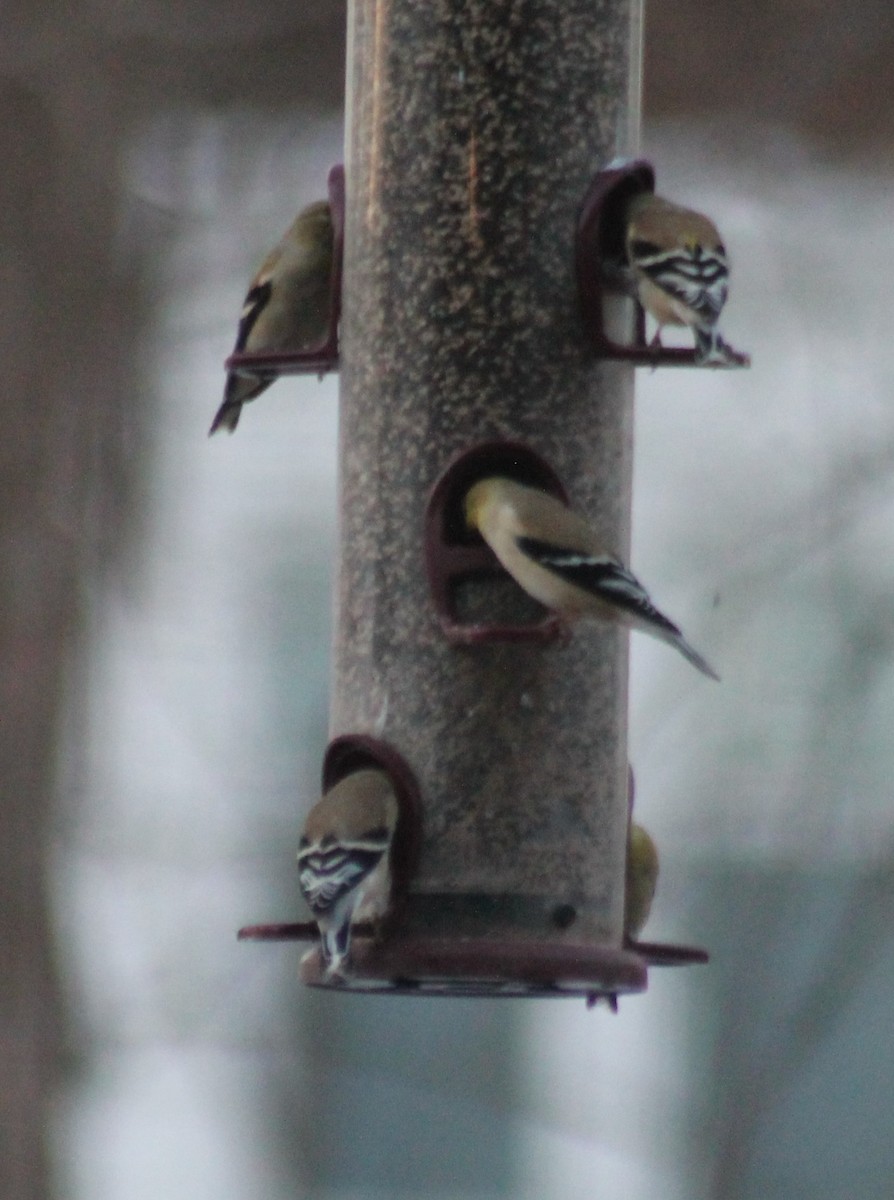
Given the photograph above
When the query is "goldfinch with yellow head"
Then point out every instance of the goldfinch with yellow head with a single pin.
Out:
(553, 554)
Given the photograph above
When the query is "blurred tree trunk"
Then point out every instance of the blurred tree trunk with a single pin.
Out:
(59, 472)
(37, 598)
(78, 424)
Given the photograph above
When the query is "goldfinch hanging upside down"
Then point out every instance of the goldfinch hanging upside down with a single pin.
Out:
(555, 557)
(287, 306)
(343, 860)
(680, 270)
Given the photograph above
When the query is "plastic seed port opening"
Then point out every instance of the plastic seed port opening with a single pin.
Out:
(475, 600)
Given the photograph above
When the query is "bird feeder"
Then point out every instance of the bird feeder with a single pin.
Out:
(600, 266)
(461, 350)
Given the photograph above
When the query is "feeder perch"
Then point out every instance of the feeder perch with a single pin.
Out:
(411, 965)
(600, 263)
(318, 359)
(456, 556)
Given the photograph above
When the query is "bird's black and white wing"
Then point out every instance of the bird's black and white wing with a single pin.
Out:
(328, 871)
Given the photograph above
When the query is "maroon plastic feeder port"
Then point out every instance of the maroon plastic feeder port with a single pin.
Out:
(318, 359)
(456, 555)
(600, 262)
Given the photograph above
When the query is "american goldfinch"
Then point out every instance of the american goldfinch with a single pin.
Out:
(343, 859)
(640, 879)
(680, 270)
(287, 306)
(553, 554)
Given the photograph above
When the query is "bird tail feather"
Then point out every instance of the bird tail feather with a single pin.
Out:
(693, 656)
(226, 417)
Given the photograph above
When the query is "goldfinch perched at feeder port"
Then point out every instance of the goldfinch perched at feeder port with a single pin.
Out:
(343, 860)
(640, 880)
(680, 271)
(287, 307)
(555, 557)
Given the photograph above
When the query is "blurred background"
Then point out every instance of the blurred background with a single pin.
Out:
(165, 624)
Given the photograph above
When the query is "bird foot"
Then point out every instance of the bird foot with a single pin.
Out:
(712, 351)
